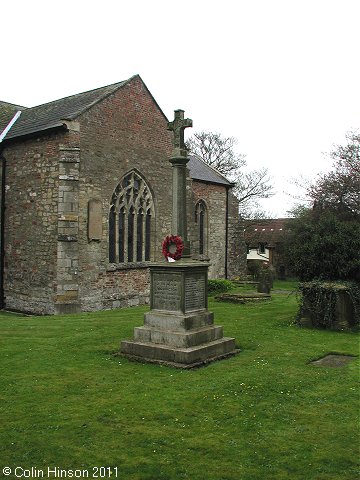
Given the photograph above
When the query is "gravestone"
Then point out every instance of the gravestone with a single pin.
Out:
(327, 309)
(179, 330)
(265, 279)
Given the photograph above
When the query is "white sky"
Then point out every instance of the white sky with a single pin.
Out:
(282, 76)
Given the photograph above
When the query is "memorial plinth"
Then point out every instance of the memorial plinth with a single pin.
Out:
(179, 330)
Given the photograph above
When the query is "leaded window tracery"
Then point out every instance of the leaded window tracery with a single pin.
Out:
(130, 220)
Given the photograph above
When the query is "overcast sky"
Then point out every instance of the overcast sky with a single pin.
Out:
(282, 76)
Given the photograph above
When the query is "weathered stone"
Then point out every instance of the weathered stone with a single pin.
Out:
(178, 322)
(178, 161)
(328, 305)
(52, 175)
(243, 298)
(69, 218)
(178, 330)
(190, 357)
(333, 360)
(95, 219)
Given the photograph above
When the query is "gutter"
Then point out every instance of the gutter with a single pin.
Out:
(2, 207)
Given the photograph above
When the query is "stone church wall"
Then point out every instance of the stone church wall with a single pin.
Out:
(58, 193)
(125, 131)
(236, 243)
(31, 224)
(214, 197)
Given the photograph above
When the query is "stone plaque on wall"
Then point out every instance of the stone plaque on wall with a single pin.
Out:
(94, 219)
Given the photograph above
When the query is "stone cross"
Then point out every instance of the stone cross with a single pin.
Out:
(178, 126)
(179, 160)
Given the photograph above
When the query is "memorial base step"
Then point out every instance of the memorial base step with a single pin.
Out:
(189, 357)
(183, 339)
(176, 321)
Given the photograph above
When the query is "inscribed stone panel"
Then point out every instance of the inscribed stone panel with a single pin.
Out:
(166, 291)
(194, 292)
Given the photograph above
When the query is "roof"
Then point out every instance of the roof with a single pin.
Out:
(199, 170)
(54, 114)
(269, 231)
(7, 111)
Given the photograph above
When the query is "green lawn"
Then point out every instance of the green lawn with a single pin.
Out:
(265, 414)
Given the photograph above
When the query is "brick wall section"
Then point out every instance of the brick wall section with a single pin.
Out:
(31, 224)
(125, 131)
(126, 287)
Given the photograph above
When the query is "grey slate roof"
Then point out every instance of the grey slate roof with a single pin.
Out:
(7, 111)
(199, 170)
(52, 115)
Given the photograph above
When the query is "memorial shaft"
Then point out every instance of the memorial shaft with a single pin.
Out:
(179, 161)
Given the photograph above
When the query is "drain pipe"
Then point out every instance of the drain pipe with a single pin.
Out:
(2, 229)
(2, 207)
(226, 232)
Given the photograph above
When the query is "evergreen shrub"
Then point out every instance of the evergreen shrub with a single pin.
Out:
(219, 286)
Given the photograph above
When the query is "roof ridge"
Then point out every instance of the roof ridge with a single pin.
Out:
(114, 85)
(55, 113)
(3, 102)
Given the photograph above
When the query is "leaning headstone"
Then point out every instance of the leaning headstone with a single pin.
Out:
(179, 330)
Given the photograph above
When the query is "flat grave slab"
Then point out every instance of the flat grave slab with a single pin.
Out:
(333, 360)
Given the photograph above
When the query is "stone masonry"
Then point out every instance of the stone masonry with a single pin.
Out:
(59, 184)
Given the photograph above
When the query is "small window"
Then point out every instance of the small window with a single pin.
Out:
(261, 247)
(201, 221)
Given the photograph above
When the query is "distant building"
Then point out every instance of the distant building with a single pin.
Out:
(265, 241)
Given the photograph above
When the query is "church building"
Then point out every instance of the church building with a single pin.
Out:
(86, 201)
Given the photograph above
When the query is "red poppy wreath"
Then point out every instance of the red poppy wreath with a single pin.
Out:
(175, 241)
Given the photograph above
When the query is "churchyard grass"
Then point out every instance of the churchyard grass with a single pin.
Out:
(266, 414)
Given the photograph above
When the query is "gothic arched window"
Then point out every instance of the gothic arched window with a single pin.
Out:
(201, 221)
(130, 220)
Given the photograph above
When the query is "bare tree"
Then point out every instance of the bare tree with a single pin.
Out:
(251, 187)
(339, 190)
(218, 152)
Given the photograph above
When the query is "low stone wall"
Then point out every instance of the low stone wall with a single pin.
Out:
(118, 288)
